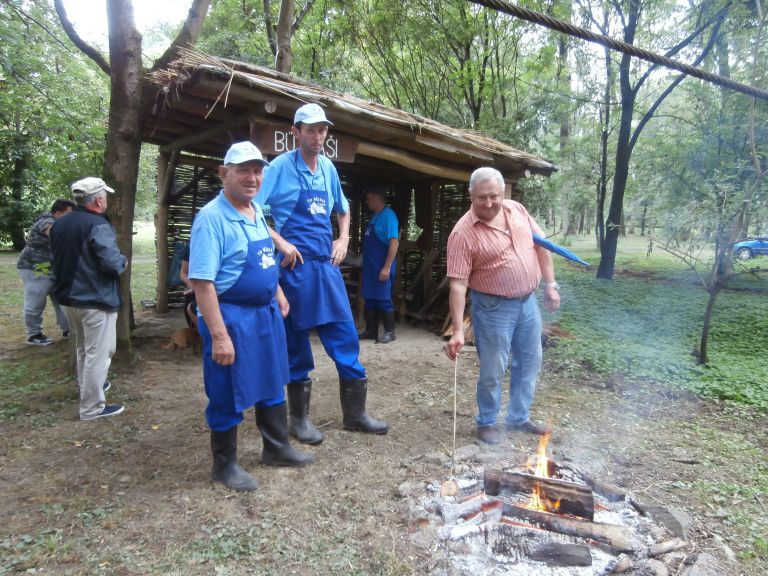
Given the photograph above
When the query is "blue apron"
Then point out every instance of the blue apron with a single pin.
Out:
(255, 325)
(314, 289)
(374, 257)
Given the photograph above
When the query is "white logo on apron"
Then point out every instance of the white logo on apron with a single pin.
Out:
(267, 260)
(315, 208)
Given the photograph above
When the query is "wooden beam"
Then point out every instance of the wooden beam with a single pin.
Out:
(214, 131)
(402, 158)
(185, 160)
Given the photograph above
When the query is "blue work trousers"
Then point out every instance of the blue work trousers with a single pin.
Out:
(340, 342)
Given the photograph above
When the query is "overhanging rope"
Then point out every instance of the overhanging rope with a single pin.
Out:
(584, 34)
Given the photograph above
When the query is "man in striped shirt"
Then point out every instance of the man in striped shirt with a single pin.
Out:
(491, 252)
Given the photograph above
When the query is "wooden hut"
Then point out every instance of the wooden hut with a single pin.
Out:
(203, 104)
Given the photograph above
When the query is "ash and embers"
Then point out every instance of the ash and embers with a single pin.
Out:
(471, 533)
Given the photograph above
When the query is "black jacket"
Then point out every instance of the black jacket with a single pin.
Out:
(86, 261)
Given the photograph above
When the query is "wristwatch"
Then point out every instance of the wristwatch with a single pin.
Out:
(554, 285)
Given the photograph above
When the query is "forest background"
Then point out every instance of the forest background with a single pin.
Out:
(639, 150)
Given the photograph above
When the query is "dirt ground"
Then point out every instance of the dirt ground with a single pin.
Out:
(132, 495)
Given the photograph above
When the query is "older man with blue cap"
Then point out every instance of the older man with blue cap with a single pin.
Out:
(302, 188)
(233, 270)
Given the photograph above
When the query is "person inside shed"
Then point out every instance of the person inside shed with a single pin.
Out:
(302, 188)
(380, 244)
(190, 303)
(241, 307)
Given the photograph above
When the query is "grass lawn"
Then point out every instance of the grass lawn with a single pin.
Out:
(646, 323)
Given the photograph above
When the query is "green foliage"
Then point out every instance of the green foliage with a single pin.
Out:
(26, 551)
(649, 329)
(52, 113)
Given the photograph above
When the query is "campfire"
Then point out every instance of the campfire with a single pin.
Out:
(542, 518)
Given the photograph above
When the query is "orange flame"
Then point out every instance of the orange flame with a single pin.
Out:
(541, 470)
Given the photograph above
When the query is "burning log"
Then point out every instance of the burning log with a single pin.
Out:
(619, 538)
(555, 495)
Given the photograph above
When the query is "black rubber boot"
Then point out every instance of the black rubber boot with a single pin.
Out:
(353, 396)
(225, 467)
(389, 328)
(273, 424)
(371, 331)
(299, 425)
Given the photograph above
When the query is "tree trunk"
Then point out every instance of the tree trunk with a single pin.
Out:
(130, 90)
(564, 88)
(613, 222)
(17, 216)
(623, 154)
(713, 292)
(605, 122)
(121, 157)
(284, 57)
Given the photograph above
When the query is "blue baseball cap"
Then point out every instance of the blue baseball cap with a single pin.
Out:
(310, 114)
(243, 152)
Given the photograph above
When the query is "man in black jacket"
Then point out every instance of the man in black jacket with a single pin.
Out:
(87, 263)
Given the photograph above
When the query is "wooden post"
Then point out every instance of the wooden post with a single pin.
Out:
(164, 177)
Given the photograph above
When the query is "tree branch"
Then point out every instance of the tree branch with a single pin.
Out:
(189, 34)
(717, 19)
(300, 16)
(84, 47)
(26, 16)
(649, 114)
(270, 27)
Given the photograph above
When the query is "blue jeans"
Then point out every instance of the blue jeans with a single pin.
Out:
(506, 328)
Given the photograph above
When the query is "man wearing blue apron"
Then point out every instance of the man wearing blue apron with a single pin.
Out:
(233, 271)
(302, 187)
(380, 244)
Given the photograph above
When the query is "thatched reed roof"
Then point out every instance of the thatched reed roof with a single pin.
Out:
(205, 103)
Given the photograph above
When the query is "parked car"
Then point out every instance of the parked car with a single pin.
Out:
(751, 247)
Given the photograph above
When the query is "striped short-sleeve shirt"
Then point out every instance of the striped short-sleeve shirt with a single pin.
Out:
(498, 262)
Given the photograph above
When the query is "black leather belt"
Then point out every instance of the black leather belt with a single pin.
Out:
(520, 298)
(516, 298)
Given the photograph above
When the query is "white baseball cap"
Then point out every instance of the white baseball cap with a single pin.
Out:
(243, 152)
(310, 114)
(88, 186)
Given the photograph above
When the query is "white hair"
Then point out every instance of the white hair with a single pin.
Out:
(90, 199)
(485, 174)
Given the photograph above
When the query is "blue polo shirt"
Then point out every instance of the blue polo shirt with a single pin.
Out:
(385, 225)
(283, 180)
(219, 242)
